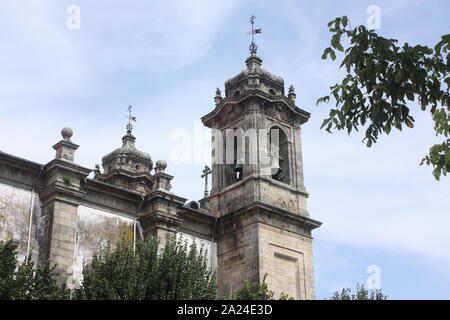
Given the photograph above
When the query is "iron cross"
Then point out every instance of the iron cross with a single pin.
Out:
(205, 173)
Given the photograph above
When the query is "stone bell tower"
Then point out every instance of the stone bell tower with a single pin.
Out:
(258, 192)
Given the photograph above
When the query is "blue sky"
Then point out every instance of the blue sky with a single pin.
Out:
(167, 57)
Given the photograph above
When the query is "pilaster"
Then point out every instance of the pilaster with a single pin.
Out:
(60, 198)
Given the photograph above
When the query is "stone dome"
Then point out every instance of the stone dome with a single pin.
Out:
(128, 148)
(128, 157)
(254, 76)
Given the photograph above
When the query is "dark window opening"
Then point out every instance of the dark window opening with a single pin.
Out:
(279, 154)
(233, 155)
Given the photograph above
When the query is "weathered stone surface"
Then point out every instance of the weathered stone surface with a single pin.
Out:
(96, 228)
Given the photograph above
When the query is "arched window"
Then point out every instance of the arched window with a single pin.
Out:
(237, 162)
(233, 156)
(279, 155)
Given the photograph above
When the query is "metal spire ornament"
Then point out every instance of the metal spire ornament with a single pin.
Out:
(130, 118)
(253, 47)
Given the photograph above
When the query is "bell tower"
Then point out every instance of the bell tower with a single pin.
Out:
(258, 192)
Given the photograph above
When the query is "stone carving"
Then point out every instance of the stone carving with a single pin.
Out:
(230, 115)
(278, 111)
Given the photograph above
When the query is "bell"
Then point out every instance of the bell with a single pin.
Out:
(276, 170)
(238, 171)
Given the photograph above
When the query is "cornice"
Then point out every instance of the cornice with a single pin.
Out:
(258, 95)
(275, 213)
(67, 165)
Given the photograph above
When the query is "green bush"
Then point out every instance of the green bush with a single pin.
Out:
(361, 294)
(27, 281)
(254, 291)
(176, 272)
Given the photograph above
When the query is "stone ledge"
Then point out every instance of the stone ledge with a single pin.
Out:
(281, 219)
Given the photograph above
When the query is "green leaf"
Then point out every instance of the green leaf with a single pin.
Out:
(404, 111)
(388, 127)
(344, 21)
(336, 42)
(323, 99)
(410, 96)
(332, 54)
(446, 39)
(409, 123)
(447, 156)
(398, 77)
(437, 174)
(324, 123)
(325, 53)
(447, 81)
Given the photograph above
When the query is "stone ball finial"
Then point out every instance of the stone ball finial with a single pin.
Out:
(67, 133)
(161, 165)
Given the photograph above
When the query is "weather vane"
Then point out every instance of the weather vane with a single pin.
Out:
(130, 118)
(253, 47)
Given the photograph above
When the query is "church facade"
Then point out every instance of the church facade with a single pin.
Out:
(253, 222)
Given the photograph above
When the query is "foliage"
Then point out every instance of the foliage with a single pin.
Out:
(361, 294)
(66, 180)
(254, 291)
(177, 272)
(381, 78)
(27, 281)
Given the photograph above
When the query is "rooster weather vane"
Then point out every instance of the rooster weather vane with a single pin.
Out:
(253, 47)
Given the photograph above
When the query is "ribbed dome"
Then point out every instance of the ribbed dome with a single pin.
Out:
(126, 163)
(128, 148)
(254, 75)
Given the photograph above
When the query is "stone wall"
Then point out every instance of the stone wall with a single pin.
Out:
(287, 259)
(209, 246)
(252, 190)
(72, 220)
(237, 254)
(263, 240)
(15, 204)
(95, 228)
